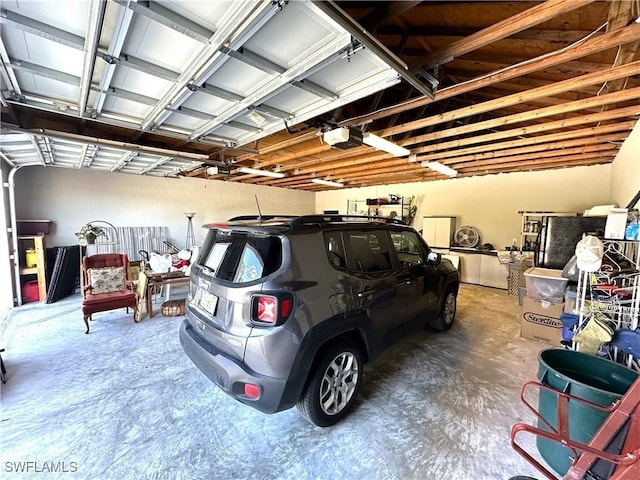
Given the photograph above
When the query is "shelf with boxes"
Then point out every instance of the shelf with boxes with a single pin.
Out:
(393, 207)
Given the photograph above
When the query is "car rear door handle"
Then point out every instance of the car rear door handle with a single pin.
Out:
(365, 293)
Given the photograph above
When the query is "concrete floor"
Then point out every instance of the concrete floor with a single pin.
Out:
(124, 402)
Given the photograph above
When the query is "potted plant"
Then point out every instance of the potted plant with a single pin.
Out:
(88, 233)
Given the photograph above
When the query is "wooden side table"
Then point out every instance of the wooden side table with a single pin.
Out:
(159, 279)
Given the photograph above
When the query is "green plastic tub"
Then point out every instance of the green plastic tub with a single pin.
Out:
(583, 376)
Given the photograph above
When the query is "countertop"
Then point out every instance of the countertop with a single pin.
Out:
(473, 250)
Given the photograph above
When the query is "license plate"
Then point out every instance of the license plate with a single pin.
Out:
(208, 302)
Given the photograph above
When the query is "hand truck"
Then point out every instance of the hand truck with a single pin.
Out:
(613, 453)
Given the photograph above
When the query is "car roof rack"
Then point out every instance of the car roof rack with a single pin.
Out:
(241, 218)
(331, 218)
(316, 219)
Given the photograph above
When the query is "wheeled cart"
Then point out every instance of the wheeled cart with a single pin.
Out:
(612, 453)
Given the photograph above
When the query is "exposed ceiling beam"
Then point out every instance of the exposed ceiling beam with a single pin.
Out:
(541, 148)
(494, 147)
(552, 89)
(621, 14)
(479, 65)
(594, 45)
(578, 105)
(626, 112)
(507, 27)
(586, 104)
(550, 35)
(582, 136)
(559, 159)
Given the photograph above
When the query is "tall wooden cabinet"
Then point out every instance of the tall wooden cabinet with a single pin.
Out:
(32, 264)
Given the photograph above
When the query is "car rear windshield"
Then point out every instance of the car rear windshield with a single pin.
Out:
(240, 257)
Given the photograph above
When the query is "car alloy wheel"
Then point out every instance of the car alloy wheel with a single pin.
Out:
(333, 385)
(339, 383)
(447, 314)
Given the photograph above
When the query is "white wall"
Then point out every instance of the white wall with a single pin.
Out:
(625, 172)
(72, 198)
(491, 203)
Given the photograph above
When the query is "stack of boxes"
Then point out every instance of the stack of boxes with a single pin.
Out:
(543, 305)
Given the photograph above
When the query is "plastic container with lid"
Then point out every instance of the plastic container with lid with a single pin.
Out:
(545, 284)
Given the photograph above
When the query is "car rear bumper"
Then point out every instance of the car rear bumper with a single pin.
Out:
(229, 374)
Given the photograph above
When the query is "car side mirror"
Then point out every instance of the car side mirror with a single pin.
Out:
(434, 258)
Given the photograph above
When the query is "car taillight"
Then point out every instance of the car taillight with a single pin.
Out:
(271, 309)
(267, 309)
(285, 307)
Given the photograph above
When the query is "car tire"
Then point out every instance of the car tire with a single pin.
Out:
(447, 313)
(333, 386)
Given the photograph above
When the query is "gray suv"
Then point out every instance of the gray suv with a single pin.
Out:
(285, 311)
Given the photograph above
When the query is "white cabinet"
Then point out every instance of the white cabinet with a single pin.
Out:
(493, 273)
(438, 231)
(483, 269)
(469, 267)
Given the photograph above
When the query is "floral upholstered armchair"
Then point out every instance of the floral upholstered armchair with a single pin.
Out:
(106, 285)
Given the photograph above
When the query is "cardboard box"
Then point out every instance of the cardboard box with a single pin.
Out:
(541, 320)
(526, 265)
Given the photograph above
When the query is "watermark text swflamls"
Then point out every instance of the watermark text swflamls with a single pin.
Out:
(32, 466)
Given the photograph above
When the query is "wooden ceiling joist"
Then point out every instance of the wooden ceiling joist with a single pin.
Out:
(507, 27)
(606, 99)
(280, 157)
(545, 164)
(628, 34)
(626, 112)
(593, 132)
(622, 71)
(558, 155)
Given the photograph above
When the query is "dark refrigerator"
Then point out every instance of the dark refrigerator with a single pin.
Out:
(558, 237)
